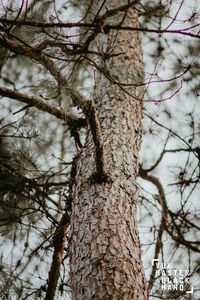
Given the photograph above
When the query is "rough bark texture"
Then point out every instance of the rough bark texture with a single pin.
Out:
(105, 253)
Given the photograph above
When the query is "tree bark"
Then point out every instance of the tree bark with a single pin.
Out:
(105, 250)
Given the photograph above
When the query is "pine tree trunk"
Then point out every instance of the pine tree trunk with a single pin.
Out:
(105, 253)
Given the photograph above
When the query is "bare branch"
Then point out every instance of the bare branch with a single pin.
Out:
(156, 252)
(106, 27)
(162, 200)
(163, 224)
(59, 245)
(160, 31)
(169, 130)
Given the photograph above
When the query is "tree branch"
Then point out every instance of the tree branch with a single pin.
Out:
(43, 59)
(86, 105)
(59, 244)
(156, 252)
(101, 175)
(106, 27)
(143, 174)
(162, 201)
(178, 237)
(40, 104)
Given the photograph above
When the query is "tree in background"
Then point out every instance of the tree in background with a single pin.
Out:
(69, 155)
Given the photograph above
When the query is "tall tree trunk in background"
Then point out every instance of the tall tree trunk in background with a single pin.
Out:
(105, 253)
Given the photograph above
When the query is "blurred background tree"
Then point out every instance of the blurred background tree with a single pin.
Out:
(43, 131)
